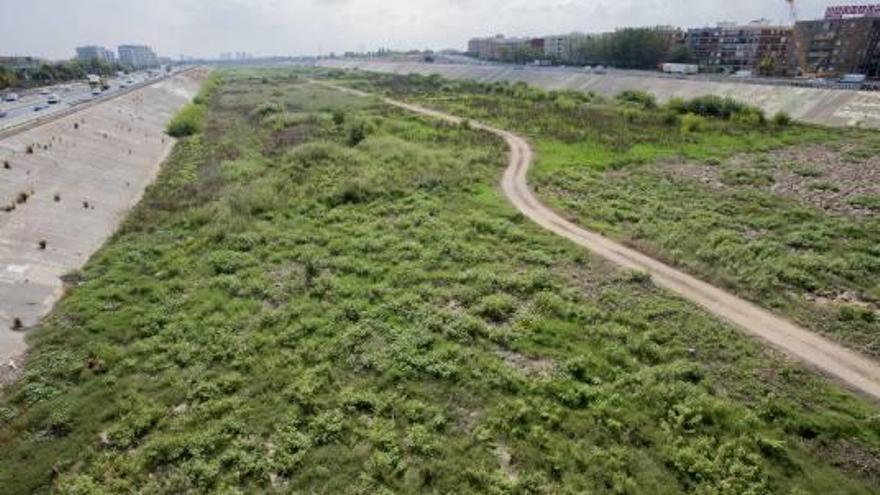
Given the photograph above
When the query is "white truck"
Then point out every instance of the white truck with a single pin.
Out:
(686, 69)
(853, 79)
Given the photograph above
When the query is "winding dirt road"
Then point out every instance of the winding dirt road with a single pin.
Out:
(852, 368)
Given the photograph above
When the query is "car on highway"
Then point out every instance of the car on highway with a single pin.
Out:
(3, 114)
(96, 92)
(44, 91)
(41, 107)
(11, 97)
(53, 99)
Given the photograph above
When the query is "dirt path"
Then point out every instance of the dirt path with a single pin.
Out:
(854, 369)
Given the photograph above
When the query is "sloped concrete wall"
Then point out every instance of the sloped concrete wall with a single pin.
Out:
(819, 106)
(79, 183)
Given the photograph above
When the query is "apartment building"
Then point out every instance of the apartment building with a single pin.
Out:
(92, 52)
(496, 47)
(728, 47)
(566, 47)
(138, 56)
(839, 45)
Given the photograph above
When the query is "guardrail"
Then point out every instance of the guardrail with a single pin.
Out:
(40, 121)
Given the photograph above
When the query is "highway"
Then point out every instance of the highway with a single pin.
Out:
(72, 94)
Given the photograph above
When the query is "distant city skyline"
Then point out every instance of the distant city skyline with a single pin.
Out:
(206, 28)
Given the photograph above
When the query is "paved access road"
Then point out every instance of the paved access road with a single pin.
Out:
(852, 368)
(72, 94)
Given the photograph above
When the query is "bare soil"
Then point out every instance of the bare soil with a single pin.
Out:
(829, 179)
(535, 367)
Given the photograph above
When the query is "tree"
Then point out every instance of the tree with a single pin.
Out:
(631, 48)
(767, 66)
(520, 54)
(8, 79)
(681, 54)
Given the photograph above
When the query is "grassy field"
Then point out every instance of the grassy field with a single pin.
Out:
(784, 215)
(323, 294)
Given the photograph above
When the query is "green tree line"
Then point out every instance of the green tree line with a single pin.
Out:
(631, 48)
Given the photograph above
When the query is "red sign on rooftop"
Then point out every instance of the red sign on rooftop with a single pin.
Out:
(842, 11)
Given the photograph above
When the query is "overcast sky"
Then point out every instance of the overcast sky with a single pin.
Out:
(52, 28)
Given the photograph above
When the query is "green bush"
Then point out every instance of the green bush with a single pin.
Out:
(640, 98)
(711, 106)
(338, 118)
(782, 119)
(631, 115)
(267, 109)
(866, 201)
(750, 117)
(188, 121)
(497, 307)
(670, 117)
(692, 123)
(356, 134)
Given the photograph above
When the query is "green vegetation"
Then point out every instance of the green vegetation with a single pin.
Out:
(289, 311)
(631, 48)
(633, 177)
(189, 120)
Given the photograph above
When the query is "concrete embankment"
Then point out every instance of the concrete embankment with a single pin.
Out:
(819, 106)
(64, 188)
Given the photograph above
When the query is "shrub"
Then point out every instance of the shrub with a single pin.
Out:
(750, 117)
(710, 106)
(353, 191)
(338, 118)
(640, 98)
(747, 177)
(208, 89)
(565, 103)
(188, 121)
(782, 119)
(692, 123)
(497, 307)
(356, 134)
(669, 117)
(866, 201)
(630, 115)
(267, 109)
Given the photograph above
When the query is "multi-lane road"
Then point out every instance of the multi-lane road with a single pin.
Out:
(34, 104)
